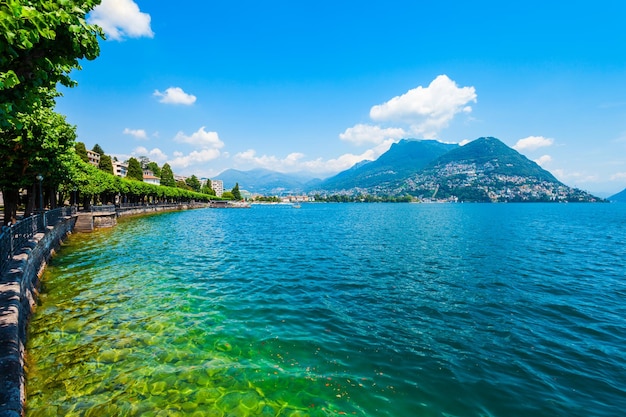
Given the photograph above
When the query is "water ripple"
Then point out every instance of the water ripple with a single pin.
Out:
(372, 310)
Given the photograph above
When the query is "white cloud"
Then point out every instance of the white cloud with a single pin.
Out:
(618, 176)
(120, 19)
(295, 161)
(543, 160)
(136, 133)
(194, 157)
(361, 134)
(155, 154)
(274, 163)
(201, 138)
(208, 146)
(175, 95)
(427, 109)
(576, 177)
(532, 142)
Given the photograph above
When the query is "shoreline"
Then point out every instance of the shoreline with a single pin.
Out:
(19, 289)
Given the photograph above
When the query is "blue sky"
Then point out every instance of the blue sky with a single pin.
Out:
(318, 86)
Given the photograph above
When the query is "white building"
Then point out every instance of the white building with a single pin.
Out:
(94, 158)
(119, 168)
(148, 176)
(218, 187)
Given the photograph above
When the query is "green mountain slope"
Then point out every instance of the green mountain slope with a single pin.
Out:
(487, 170)
(402, 160)
(495, 156)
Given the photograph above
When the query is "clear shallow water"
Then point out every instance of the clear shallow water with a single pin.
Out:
(333, 309)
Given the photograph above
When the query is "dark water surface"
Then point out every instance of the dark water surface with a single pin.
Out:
(338, 309)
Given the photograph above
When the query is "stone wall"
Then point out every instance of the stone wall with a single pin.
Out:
(18, 292)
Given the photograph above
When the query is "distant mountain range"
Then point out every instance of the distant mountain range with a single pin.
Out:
(483, 170)
(264, 181)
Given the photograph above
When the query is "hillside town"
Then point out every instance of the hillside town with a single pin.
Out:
(479, 182)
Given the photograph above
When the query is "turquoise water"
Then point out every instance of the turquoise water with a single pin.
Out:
(338, 309)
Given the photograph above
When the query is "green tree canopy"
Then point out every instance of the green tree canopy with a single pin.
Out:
(235, 191)
(207, 188)
(194, 183)
(154, 167)
(40, 145)
(98, 149)
(41, 42)
(106, 164)
(134, 170)
(81, 150)
(167, 176)
(183, 185)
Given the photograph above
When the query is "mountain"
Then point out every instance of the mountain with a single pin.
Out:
(619, 197)
(495, 157)
(263, 181)
(402, 160)
(483, 170)
(487, 170)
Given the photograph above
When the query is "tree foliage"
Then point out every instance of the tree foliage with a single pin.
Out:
(98, 149)
(167, 176)
(154, 167)
(106, 164)
(194, 183)
(235, 192)
(81, 150)
(41, 42)
(40, 146)
(207, 188)
(134, 170)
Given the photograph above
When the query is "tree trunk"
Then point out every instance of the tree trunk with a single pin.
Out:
(11, 198)
(31, 201)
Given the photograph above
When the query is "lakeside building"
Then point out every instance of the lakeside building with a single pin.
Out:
(218, 187)
(120, 169)
(148, 176)
(94, 158)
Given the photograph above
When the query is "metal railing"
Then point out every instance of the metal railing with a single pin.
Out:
(15, 237)
(103, 208)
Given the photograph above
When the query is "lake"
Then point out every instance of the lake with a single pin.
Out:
(338, 309)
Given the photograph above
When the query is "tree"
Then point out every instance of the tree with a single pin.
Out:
(152, 166)
(98, 149)
(134, 170)
(81, 151)
(44, 138)
(194, 183)
(41, 42)
(144, 161)
(167, 176)
(106, 164)
(183, 185)
(235, 191)
(207, 188)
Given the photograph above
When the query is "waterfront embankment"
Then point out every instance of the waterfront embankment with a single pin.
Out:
(19, 283)
(25, 250)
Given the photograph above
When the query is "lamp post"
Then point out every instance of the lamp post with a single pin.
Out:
(40, 179)
(75, 202)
